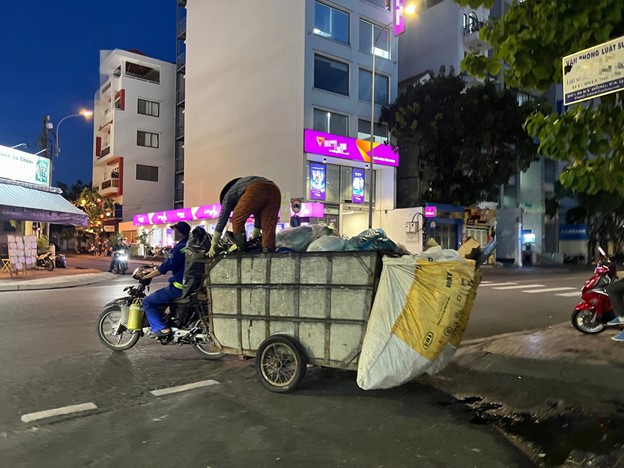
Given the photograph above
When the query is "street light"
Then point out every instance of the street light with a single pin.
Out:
(407, 10)
(83, 113)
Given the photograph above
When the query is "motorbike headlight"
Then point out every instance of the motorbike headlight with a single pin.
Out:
(123, 258)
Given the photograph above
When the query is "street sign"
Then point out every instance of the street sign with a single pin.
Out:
(593, 72)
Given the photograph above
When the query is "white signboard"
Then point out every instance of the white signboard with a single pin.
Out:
(25, 167)
(593, 72)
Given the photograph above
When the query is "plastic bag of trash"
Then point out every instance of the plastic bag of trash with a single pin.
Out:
(298, 239)
(327, 244)
(371, 239)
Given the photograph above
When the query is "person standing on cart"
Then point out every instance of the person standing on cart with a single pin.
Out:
(175, 264)
(246, 196)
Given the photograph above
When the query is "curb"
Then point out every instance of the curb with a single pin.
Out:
(58, 283)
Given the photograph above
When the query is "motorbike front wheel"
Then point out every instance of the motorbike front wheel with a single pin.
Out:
(587, 321)
(112, 334)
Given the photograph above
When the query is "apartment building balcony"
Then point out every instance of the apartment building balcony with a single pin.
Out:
(472, 40)
(181, 29)
(180, 96)
(105, 151)
(181, 62)
(110, 187)
(179, 131)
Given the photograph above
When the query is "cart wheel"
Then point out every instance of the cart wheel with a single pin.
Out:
(280, 364)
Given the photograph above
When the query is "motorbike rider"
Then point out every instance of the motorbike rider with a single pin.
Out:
(246, 196)
(615, 290)
(122, 244)
(175, 264)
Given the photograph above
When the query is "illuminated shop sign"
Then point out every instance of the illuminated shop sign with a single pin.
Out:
(308, 210)
(336, 146)
(25, 167)
(357, 191)
(430, 211)
(317, 181)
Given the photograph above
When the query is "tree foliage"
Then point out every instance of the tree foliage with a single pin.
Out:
(528, 44)
(470, 139)
(72, 193)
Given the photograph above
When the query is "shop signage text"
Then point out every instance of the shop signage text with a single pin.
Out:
(25, 167)
(336, 146)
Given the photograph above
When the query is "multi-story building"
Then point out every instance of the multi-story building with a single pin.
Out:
(286, 91)
(178, 197)
(441, 34)
(134, 133)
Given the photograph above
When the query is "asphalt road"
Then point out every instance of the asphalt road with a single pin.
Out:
(50, 357)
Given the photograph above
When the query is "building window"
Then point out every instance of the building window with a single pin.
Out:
(381, 88)
(142, 72)
(385, 4)
(148, 107)
(381, 131)
(330, 22)
(149, 173)
(331, 75)
(330, 122)
(147, 139)
(370, 32)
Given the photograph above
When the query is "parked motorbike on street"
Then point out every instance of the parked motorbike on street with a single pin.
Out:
(595, 310)
(122, 322)
(45, 260)
(120, 261)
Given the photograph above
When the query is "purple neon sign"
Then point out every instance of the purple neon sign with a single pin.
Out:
(308, 210)
(336, 146)
(399, 17)
(430, 212)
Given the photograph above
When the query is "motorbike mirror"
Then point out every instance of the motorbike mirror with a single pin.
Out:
(602, 252)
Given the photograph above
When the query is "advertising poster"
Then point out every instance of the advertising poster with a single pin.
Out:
(357, 192)
(317, 181)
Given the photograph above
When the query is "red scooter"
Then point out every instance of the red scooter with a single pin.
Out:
(594, 310)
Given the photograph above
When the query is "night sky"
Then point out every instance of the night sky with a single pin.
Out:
(49, 54)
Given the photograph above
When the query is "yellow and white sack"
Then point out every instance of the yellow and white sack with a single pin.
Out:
(419, 316)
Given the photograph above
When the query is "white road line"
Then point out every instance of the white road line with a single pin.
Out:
(522, 286)
(184, 388)
(58, 412)
(497, 284)
(532, 291)
(483, 283)
(570, 294)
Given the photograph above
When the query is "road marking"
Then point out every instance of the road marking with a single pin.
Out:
(570, 294)
(58, 412)
(497, 284)
(532, 291)
(184, 388)
(521, 286)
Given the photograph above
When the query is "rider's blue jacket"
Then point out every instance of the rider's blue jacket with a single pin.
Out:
(175, 264)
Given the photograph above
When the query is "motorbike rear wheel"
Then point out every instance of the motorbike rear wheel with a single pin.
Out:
(587, 321)
(204, 345)
(48, 264)
(111, 333)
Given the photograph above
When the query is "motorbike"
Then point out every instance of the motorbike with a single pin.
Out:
(595, 310)
(120, 261)
(122, 322)
(45, 260)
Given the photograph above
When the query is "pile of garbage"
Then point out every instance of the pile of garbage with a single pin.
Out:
(320, 238)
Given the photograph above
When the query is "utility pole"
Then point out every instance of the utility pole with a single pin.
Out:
(44, 139)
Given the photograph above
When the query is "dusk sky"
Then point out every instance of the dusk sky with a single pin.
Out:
(50, 51)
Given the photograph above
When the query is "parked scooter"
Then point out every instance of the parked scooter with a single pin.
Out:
(595, 310)
(120, 261)
(45, 260)
(123, 322)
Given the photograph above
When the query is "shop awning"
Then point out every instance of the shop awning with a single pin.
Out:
(30, 202)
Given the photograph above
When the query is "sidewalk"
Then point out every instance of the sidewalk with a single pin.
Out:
(58, 278)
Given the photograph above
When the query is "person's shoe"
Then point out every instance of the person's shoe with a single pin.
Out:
(615, 322)
(618, 337)
(161, 333)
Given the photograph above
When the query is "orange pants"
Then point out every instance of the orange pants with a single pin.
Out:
(262, 199)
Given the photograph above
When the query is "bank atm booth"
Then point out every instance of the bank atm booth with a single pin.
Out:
(444, 223)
